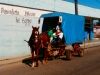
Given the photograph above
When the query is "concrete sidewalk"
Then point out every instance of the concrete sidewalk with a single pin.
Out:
(13, 60)
(92, 43)
(86, 44)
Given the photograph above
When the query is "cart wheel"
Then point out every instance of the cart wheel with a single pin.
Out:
(81, 52)
(68, 54)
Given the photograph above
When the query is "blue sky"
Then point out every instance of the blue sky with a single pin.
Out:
(90, 3)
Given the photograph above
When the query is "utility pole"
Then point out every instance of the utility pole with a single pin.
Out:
(76, 7)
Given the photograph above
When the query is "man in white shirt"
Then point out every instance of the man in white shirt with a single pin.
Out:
(58, 34)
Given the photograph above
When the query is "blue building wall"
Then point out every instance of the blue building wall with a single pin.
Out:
(16, 27)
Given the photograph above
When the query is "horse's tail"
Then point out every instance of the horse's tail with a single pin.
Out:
(27, 42)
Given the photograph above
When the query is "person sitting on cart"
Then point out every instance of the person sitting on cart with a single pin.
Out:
(58, 35)
(50, 34)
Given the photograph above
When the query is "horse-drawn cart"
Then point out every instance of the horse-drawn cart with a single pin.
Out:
(72, 27)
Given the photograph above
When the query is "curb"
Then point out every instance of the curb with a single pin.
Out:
(91, 45)
(10, 63)
(13, 60)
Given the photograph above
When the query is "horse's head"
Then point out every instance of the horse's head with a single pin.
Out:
(35, 33)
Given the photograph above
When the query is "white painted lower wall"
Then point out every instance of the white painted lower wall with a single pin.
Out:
(12, 36)
(15, 28)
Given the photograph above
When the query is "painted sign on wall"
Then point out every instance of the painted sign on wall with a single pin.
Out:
(19, 11)
(13, 10)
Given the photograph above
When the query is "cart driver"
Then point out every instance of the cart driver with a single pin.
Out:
(58, 34)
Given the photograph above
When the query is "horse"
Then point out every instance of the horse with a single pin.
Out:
(38, 42)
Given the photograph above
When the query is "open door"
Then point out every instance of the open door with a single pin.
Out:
(89, 28)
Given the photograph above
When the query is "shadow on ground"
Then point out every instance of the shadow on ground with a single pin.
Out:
(28, 61)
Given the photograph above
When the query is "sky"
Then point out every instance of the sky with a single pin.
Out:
(90, 3)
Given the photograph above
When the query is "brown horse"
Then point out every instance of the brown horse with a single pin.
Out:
(38, 42)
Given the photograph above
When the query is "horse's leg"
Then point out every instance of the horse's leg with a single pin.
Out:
(37, 54)
(32, 52)
(43, 53)
(46, 55)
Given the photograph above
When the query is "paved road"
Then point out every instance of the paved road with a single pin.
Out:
(89, 64)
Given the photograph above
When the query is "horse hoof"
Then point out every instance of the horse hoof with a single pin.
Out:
(37, 64)
(43, 62)
(32, 68)
(46, 61)
(32, 65)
